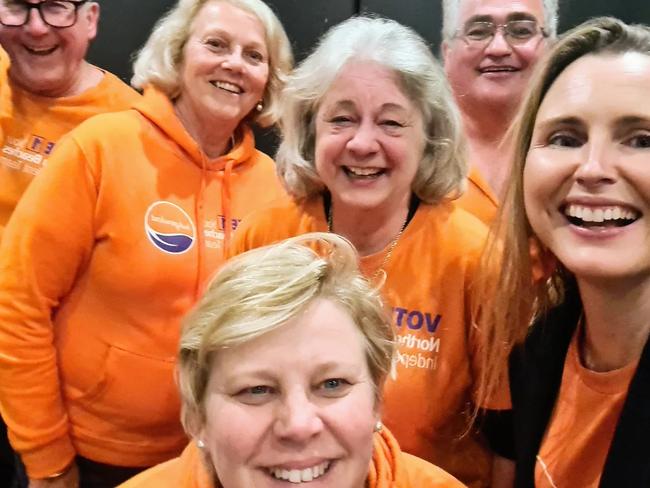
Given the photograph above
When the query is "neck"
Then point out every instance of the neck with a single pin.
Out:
(489, 151)
(213, 137)
(369, 230)
(617, 323)
(88, 76)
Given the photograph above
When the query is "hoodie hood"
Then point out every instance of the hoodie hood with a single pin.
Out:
(156, 107)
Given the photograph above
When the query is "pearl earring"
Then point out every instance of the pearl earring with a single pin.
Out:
(260, 106)
(200, 444)
(378, 426)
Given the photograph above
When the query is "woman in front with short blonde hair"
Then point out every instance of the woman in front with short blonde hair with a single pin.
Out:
(281, 371)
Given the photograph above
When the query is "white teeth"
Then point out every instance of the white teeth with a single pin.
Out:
(363, 171)
(300, 475)
(224, 85)
(599, 214)
(307, 475)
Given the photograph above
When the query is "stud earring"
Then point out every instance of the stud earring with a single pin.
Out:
(260, 106)
(378, 426)
(200, 444)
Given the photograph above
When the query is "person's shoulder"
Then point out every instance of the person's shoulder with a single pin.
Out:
(418, 473)
(281, 219)
(117, 91)
(455, 227)
(168, 474)
(108, 126)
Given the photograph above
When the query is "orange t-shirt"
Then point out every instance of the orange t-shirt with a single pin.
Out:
(582, 426)
(479, 200)
(429, 277)
(37, 123)
(389, 468)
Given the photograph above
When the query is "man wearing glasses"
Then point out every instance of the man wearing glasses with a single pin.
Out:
(489, 50)
(53, 89)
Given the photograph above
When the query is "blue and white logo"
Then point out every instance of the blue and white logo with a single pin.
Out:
(169, 228)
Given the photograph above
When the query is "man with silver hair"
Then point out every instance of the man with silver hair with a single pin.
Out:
(489, 50)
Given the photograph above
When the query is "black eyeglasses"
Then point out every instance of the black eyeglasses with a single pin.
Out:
(516, 32)
(55, 13)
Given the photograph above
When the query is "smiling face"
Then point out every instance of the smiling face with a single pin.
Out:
(48, 60)
(295, 404)
(587, 174)
(225, 64)
(369, 139)
(494, 73)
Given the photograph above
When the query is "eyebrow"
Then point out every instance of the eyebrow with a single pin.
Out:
(223, 33)
(350, 105)
(632, 120)
(511, 16)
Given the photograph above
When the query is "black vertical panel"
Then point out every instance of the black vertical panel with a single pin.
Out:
(425, 16)
(124, 26)
(573, 12)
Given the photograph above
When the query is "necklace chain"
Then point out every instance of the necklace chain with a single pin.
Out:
(391, 246)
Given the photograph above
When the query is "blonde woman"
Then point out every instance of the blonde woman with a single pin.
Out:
(115, 240)
(281, 371)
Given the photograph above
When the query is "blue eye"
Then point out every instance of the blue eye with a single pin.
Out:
(332, 383)
(255, 395)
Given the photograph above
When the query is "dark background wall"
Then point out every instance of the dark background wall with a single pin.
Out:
(125, 24)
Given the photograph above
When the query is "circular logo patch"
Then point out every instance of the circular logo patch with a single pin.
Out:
(169, 228)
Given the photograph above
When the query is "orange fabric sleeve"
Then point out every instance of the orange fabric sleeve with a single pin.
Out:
(48, 240)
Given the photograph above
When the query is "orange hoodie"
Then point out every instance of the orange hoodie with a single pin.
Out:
(389, 468)
(105, 253)
(37, 123)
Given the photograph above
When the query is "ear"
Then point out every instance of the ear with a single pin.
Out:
(445, 51)
(91, 16)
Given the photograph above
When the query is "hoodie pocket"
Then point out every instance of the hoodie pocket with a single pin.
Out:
(132, 391)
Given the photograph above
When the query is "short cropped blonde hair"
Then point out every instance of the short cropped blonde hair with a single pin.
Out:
(159, 61)
(261, 290)
(442, 168)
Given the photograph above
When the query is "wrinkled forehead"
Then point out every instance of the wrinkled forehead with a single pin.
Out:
(500, 11)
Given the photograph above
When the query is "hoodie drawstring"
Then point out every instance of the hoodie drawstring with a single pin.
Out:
(199, 215)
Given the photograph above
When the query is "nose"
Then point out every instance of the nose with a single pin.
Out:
(596, 168)
(297, 418)
(233, 60)
(498, 45)
(35, 24)
(364, 140)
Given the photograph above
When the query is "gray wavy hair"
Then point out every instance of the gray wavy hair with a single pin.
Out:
(442, 169)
